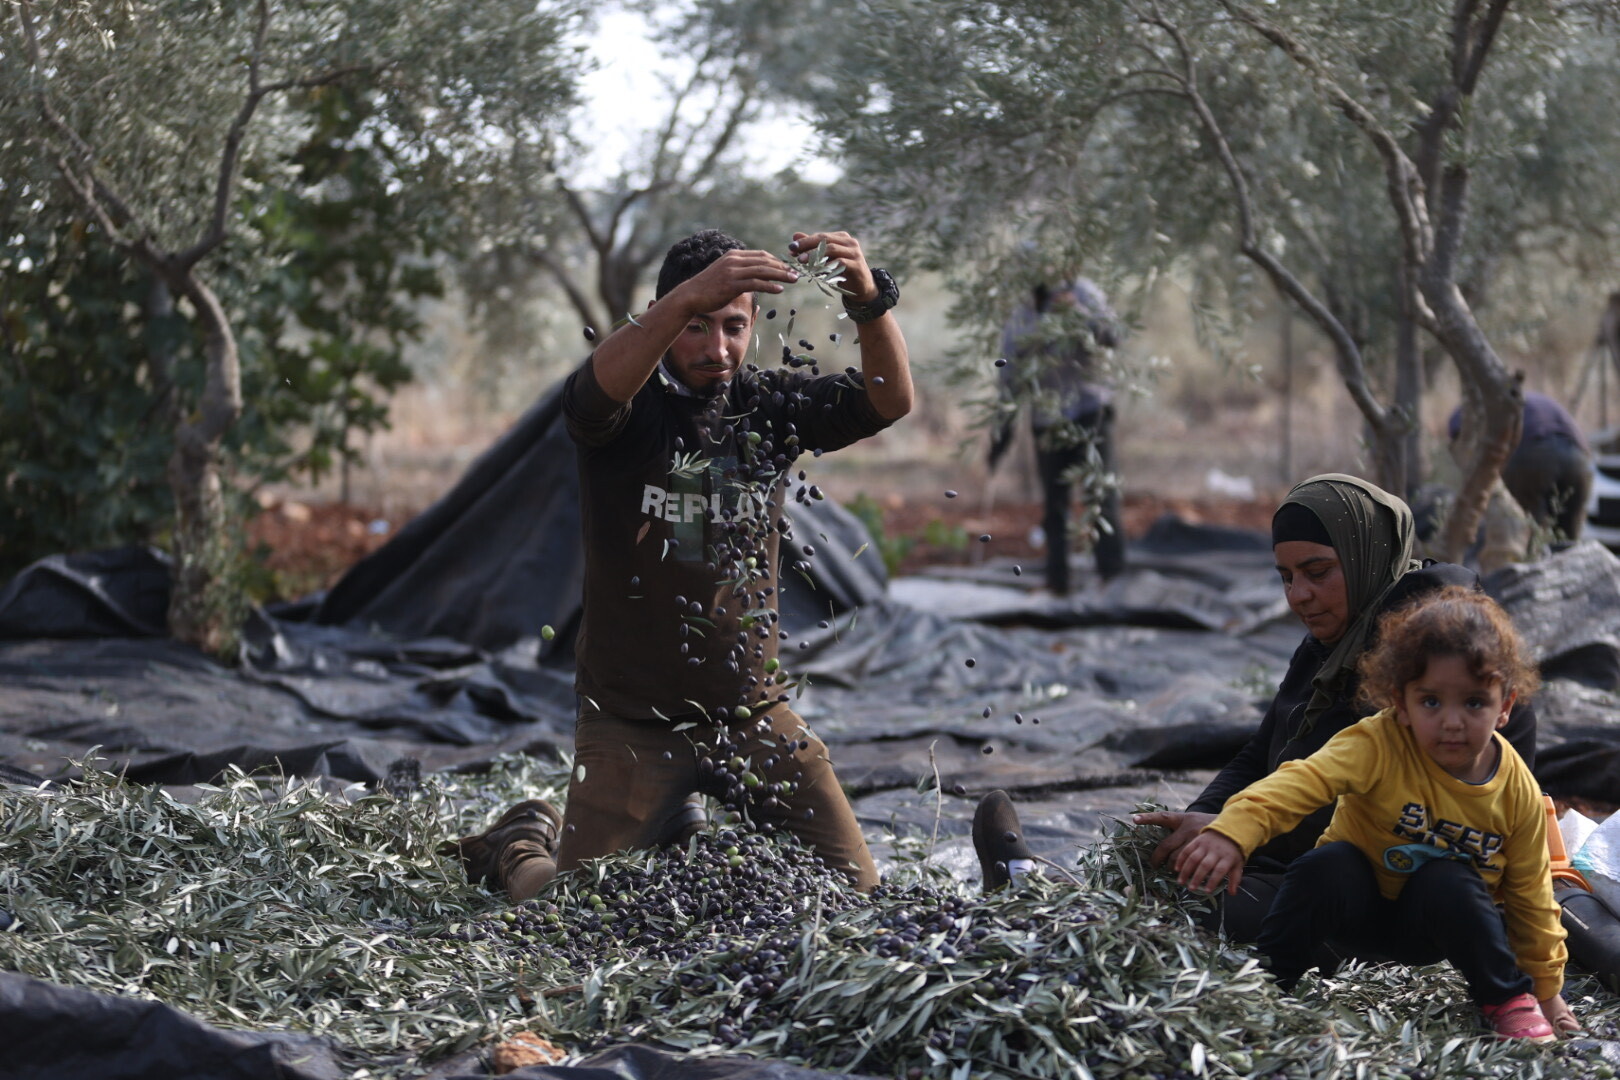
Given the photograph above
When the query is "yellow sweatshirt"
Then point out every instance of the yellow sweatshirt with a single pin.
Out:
(1402, 809)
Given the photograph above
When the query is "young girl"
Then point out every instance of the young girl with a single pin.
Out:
(1437, 820)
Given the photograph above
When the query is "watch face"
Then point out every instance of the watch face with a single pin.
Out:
(888, 291)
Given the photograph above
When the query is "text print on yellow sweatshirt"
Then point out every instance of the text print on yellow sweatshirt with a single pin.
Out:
(1401, 809)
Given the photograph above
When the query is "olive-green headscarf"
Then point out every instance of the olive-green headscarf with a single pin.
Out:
(1372, 535)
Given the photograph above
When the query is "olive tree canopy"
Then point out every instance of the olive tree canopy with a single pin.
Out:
(592, 240)
(1380, 162)
(154, 121)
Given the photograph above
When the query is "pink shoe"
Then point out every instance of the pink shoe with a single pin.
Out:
(1519, 1018)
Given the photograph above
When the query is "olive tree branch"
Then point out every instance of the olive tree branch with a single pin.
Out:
(1405, 184)
(111, 211)
(1347, 354)
(576, 296)
(1471, 47)
(231, 154)
(582, 215)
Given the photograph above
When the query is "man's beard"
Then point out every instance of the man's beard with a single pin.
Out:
(711, 389)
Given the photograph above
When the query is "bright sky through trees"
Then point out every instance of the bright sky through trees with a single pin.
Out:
(624, 97)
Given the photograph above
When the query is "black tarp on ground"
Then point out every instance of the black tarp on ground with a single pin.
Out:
(1123, 685)
(1568, 609)
(119, 593)
(52, 1032)
(884, 670)
(430, 649)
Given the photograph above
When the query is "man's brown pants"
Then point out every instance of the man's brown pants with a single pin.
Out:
(632, 779)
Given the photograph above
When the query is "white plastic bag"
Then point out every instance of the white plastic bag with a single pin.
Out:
(1576, 828)
(1598, 858)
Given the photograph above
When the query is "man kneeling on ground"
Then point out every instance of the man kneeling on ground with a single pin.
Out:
(684, 453)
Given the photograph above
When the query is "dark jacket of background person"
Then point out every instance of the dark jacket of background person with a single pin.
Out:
(1284, 734)
(1550, 471)
(1070, 412)
(1066, 387)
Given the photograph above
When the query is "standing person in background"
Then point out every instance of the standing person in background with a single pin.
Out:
(1550, 472)
(684, 450)
(1050, 368)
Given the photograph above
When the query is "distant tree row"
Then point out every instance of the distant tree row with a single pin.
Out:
(1399, 171)
(216, 219)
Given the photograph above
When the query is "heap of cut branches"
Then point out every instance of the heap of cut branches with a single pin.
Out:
(266, 904)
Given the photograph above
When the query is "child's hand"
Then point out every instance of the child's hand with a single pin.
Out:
(1183, 828)
(1559, 1015)
(1207, 859)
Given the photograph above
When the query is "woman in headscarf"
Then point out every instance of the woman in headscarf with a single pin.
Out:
(1344, 550)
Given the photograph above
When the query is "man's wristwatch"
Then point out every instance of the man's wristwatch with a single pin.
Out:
(888, 296)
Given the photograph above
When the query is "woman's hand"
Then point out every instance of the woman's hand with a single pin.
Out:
(1183, 827)
(1559, 1015)
(1202, 864)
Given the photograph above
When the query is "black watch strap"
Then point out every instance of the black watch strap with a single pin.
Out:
(888, 296)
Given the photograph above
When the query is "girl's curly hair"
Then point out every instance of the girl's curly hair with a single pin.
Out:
(1454, 621)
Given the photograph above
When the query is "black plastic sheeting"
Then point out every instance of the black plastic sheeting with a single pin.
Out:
(1165, 668)
(1110, 693)
(119, 593)
(1568, 609)
(429, 651)
(53, 1032)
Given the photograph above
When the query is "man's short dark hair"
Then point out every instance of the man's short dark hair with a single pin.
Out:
(690, 257)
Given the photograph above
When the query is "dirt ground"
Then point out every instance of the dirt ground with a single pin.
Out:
(308, 546)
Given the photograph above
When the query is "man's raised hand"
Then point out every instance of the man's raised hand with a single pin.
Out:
(846, 249)
(730, 276)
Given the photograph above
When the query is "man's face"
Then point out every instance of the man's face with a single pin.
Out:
(711, 347)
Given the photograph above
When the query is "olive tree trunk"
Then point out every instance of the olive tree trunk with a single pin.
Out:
(204, 601)
(1492, 393)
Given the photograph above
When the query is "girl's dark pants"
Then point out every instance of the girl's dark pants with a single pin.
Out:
(1445, 912)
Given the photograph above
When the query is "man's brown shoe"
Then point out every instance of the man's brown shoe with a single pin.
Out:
(532, 819)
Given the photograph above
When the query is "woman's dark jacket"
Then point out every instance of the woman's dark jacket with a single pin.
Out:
(1281, 736)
